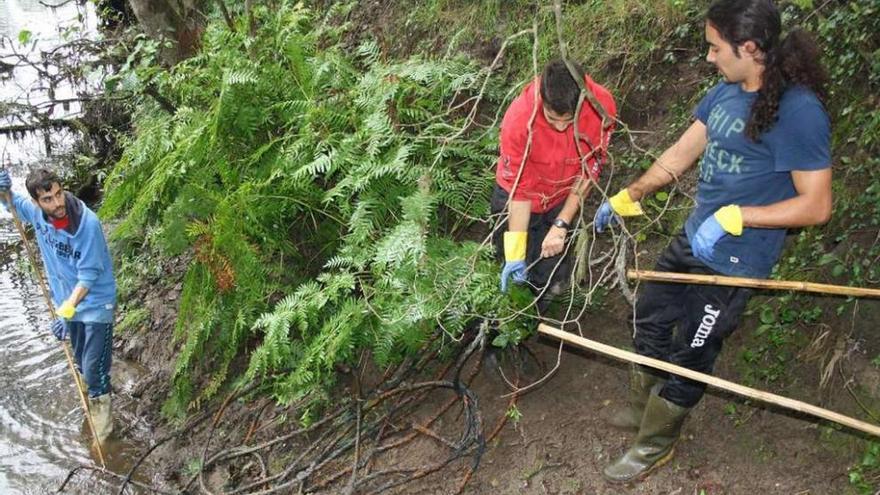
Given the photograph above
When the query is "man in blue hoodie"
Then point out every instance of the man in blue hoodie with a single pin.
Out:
(81, 282)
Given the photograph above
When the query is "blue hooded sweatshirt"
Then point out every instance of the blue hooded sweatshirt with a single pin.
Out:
(76, 256)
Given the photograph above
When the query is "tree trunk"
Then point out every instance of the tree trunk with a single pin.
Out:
(175, 23)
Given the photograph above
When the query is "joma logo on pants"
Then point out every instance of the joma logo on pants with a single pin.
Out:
(706, 326)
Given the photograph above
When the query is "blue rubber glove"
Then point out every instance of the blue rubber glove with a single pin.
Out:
(515, 245)
(59, 329)
(5, 180)
(619, 205)
(707, 235)
(604, 217)
(514, 269)
(727, 220)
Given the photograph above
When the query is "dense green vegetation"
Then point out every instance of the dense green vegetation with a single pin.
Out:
(328, 193)
(339, 181)
(331, 186)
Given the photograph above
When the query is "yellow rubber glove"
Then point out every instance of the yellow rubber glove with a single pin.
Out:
(731, 219)
(515, 246)
(66, 310)
(514, 258)
(619, 205)
(623, 205)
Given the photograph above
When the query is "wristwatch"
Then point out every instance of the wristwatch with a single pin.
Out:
(562, 224)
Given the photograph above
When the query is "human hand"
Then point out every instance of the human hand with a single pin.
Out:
(5, 181)
(604, 217)
(59, 329)
(515, 270)
(619, 205)
(514, 258)
(727, 220)
(554, 242)
(66, 310)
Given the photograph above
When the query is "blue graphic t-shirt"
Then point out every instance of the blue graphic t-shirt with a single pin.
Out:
(736, 170)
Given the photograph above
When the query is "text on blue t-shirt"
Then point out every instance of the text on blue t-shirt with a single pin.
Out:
(737, 170)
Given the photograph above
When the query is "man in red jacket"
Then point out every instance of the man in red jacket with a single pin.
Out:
(543, 181)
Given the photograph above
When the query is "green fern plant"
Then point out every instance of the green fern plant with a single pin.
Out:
(326, 179)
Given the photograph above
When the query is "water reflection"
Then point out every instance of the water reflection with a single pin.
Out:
(39, 420)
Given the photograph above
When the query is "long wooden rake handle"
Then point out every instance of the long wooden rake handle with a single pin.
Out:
(756, 283)
(735, 388)
(7, 198)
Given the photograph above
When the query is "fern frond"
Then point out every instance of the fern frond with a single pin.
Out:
(238, 77)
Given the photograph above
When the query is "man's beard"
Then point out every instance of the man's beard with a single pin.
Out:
(59, 213)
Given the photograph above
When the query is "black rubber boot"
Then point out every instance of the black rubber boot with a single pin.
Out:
(641, 384)
(655, 443)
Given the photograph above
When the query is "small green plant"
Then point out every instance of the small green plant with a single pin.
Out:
(730, 409)
(865, 475)
(24, 37)
(133, 320)
(514, 414)
(777, 336)
(193, 467)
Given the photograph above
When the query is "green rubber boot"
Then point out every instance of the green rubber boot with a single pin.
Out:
(655, 443)
(641, 383)
(102, 416)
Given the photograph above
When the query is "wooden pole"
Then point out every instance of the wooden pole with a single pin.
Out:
(756, 283)
(7, 198)
(735, 388)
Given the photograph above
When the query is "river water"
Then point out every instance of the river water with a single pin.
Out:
(42, 432)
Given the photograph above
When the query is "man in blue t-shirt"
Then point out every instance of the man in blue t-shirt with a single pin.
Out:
(764, 137)
(81, 283)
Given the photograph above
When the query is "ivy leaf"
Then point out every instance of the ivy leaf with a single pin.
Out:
(24, 36)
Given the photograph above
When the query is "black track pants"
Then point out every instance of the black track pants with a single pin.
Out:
(685, 324)
(539, 225)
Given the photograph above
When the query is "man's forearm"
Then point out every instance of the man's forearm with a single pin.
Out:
(785, 214)
(520, 212)
(24, 208)
(662, 172)
(800, 211)
(579, 192)
(7, 199)
(77, 295)
(812, 205)
(674, 162)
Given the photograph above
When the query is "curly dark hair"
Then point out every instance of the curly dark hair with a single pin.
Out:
(793, 61)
